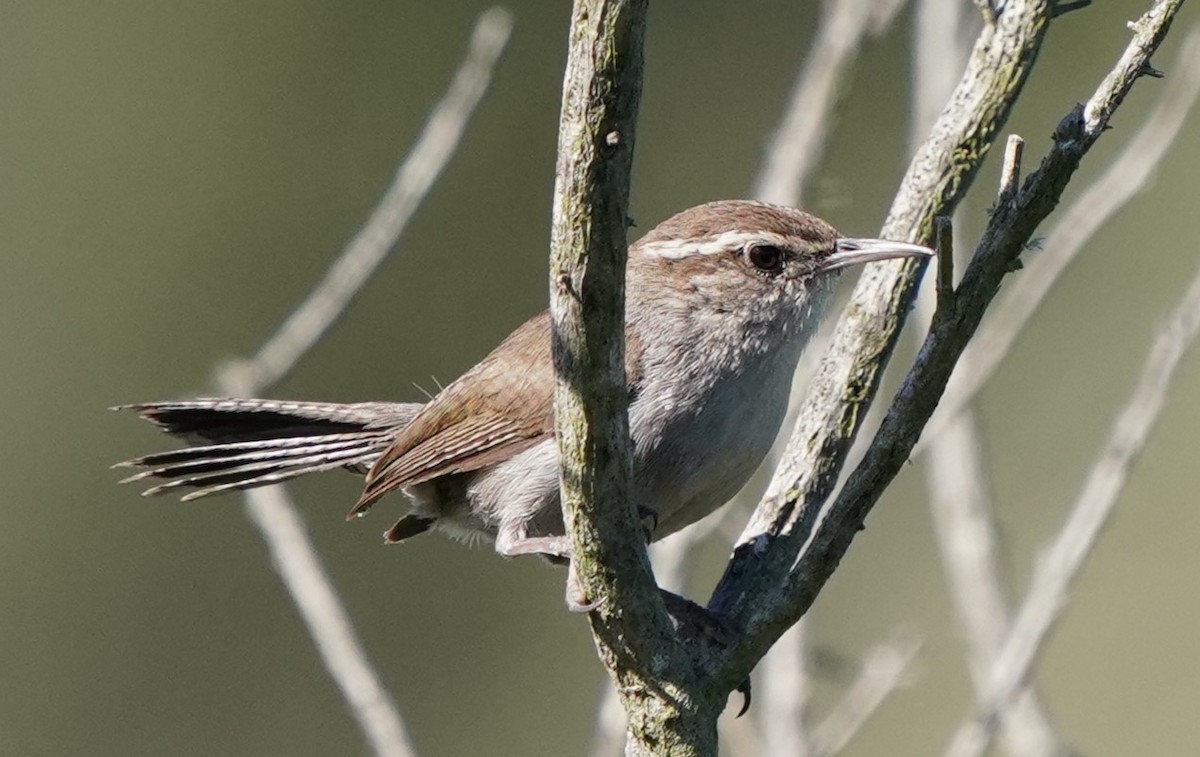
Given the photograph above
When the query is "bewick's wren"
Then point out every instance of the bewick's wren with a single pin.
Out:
(721, 299)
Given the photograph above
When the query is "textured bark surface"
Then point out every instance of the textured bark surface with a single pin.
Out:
(658, 686)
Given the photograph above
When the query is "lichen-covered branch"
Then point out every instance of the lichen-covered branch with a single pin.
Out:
(633, 633)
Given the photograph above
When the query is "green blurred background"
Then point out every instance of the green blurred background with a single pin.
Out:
(175, 177)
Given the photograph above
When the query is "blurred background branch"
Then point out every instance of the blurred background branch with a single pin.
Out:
(270, 510)
(1058, 567)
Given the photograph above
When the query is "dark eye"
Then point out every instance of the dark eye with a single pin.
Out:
(765, 258)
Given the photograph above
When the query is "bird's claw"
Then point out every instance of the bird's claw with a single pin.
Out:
(577, 598)
(743, 688)
(704, 634)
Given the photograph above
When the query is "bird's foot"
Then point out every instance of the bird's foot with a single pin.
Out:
(704, 634)
(648, 514)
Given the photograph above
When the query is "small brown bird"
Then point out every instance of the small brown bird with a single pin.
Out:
(721, 300)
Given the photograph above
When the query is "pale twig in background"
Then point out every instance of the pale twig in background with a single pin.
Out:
(786, 692)
(295, 557)
(883, 670)
(798, 146)
(1121, 182)
(1058, 566)
(421, 168)
(299, 566)
(608, 738)
(964, 528)
(960, 505)
(942, 32)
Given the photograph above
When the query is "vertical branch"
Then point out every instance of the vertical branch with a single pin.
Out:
(609, 566)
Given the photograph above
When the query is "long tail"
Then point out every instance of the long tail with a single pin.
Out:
(243, 443)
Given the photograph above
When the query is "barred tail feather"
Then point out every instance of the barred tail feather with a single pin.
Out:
(241, 444)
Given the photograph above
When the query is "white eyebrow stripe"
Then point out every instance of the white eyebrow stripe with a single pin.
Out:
(726, 241)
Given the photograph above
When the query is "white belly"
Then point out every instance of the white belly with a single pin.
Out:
(707, 448)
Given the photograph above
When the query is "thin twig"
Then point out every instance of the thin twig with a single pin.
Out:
(883, 670)
(1121, 181)
(608, 738)
(943, 231)
(987, 11)
(311, 588)
(362, 256)
(279, 523)
(786, 690)
(799, 143)
(967, 541)
(1010, 169)
(793, 155)
(1060, 564)
(964, 527)
(960, 505)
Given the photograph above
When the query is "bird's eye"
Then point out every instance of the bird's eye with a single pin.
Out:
(766, 258)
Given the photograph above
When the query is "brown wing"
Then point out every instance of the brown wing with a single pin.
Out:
(500, 407)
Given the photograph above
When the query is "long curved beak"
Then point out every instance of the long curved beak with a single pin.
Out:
(855, 251)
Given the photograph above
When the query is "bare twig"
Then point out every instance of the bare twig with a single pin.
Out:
(963, 521)
(793, 155)
(1123, 179)
(353, 267)
(608, 738)
(279, 523)
(799, 143)
(299, 567)
(987, 10)
(1010, 171)
(1093, 505)
(962, 517)
(943, 232)
(786, 690)
(883, 670)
